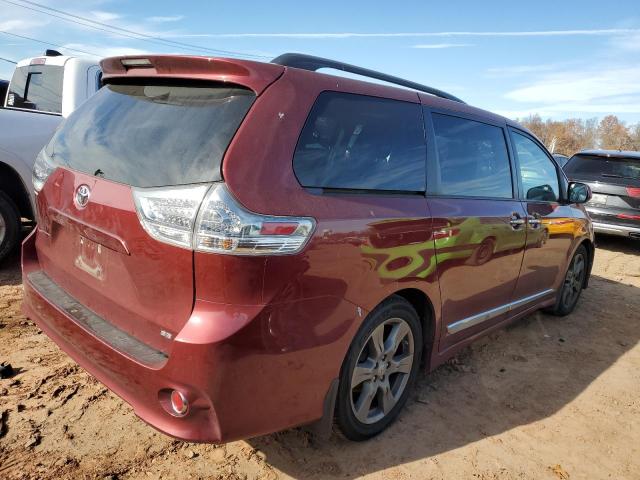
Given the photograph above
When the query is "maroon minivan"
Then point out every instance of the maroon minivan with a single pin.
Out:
(236, 248)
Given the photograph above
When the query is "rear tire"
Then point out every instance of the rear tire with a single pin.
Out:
(9, 226)
(380, 369)
(573, 284)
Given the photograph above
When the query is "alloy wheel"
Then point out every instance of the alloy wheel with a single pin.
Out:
(574, 280)
(382, 370)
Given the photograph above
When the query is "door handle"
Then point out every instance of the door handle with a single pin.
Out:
(534, 220)
(516, 221)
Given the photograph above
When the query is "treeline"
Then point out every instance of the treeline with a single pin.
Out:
(572, 135)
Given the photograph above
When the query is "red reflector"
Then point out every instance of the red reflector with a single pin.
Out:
(633, 192)
(278, 228)
(38, 61)
(624, 216)
(179, 403)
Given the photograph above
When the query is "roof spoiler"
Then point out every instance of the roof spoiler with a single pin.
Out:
(253, 75)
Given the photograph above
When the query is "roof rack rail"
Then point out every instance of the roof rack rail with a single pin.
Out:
(312, 63)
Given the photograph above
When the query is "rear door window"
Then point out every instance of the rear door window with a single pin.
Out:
(358, 142)
(472, 159)
(539, 175)
(152, 135)
(37, 87)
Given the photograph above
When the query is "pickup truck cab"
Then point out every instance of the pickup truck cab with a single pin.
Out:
(42, 92)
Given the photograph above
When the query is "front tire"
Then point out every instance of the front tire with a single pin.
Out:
(573, 284)
(9, 226)
(380, 369)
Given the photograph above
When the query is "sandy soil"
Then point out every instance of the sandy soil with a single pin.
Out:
(546, 398)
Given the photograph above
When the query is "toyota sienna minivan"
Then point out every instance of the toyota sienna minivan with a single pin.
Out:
(236, 248)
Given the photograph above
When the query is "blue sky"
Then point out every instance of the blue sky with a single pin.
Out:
(557, 58)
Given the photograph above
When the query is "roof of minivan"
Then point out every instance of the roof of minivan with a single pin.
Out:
(611, 153)
(430, 100)
(253, 74)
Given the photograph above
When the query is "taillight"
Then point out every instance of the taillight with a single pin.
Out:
(42, 168)
(633, 192)
(208, 219)
(445, 233)
(224, 226)
(169, 214)
(626, 216)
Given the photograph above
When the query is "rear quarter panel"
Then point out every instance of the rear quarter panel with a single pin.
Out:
(365, 247)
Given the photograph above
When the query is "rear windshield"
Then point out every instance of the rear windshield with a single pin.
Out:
(37, 87)
(152, 135)
(603, 168)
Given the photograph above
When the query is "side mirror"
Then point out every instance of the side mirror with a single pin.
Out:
(579, 192)
(541, 192)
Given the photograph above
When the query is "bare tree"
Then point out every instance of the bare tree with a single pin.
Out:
(634, 133)
(613, 134)
(572, 135)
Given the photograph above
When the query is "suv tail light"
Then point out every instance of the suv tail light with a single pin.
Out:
(633, 192)
(42, 168)
(208, 219)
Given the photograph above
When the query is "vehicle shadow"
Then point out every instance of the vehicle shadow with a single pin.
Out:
(10, 273)
(10, 270)
(521, 374)
(618, 244)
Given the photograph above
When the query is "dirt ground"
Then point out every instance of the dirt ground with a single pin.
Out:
(546, 398)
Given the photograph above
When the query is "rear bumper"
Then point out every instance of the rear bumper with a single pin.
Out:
(138, 385)
(240, 376)
(613, 229)
(605, 220)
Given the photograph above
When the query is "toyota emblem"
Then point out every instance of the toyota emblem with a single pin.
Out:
(82, 196)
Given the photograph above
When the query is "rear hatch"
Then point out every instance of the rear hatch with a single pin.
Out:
(131, 165)
(615, 183)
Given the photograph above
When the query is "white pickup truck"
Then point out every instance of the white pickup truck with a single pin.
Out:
(42, 92)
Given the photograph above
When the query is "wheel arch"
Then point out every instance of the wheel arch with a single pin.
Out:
(424, 308)
(12, 185)
(591, 250)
